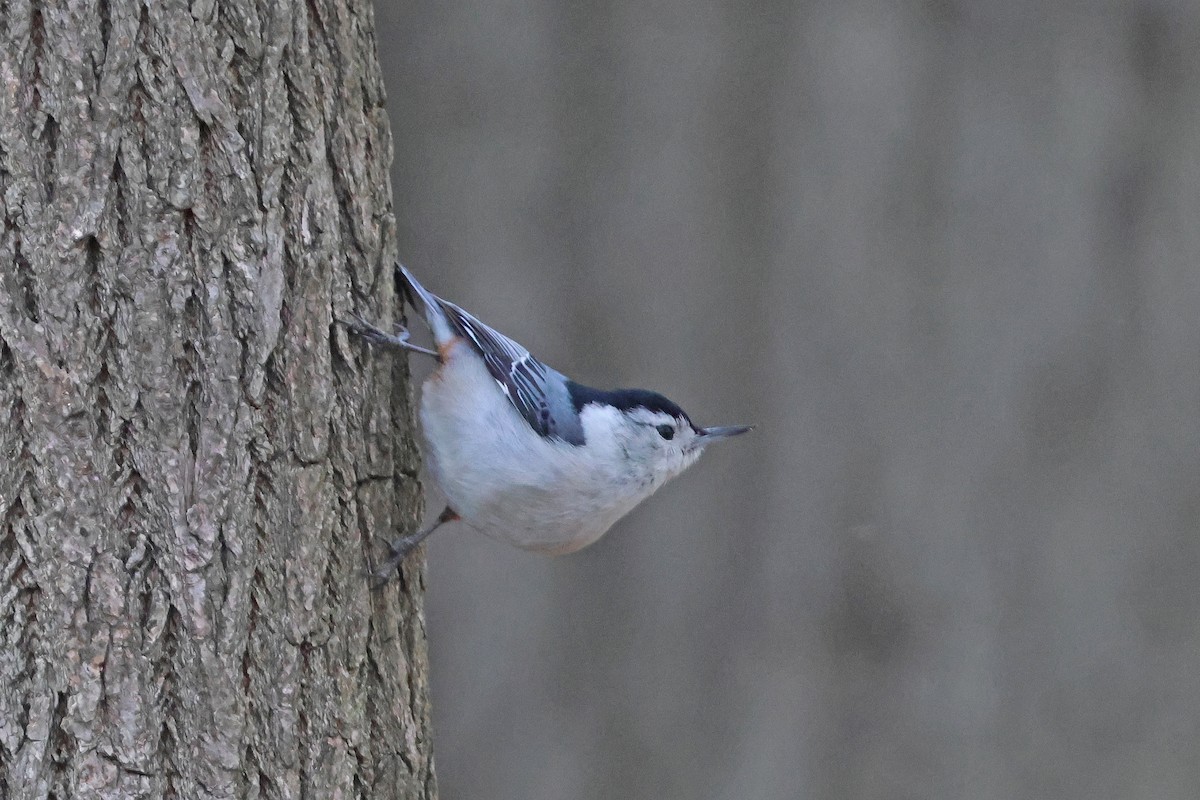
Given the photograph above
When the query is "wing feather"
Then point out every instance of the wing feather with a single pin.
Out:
(526, 381)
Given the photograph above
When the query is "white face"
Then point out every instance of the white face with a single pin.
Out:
(637, 450)
(656, 446)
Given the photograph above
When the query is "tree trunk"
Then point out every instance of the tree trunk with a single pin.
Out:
(196, 462)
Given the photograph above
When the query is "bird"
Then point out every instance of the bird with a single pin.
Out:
(521, 452)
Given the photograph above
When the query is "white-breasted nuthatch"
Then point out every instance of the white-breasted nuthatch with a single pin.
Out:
(523, 453)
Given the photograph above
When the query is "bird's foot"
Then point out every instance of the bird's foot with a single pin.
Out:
(373, 334)
(399, 549)
(404, 545)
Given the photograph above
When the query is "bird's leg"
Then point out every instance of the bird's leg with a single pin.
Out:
(404, 545)
(375, 335)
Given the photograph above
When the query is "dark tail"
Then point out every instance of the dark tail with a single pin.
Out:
(427, 303)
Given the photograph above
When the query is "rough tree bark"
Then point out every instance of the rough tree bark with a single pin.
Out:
(195, 460)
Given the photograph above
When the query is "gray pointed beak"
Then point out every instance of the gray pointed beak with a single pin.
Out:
(723, 432)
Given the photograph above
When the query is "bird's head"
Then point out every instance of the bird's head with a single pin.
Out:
(648, 437)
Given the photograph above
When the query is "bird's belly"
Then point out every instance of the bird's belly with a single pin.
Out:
(544, 524)
(500, 476)
(520, 504)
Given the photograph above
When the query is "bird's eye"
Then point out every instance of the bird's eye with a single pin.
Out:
(666, 431)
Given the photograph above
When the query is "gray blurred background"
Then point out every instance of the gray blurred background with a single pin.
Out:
(947, 256)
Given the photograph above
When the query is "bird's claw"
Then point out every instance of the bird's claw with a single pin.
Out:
(399, 550)
(373, 334)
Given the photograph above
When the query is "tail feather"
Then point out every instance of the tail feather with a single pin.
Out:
(427, 303)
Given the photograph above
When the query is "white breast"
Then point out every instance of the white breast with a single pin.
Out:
(504, 479)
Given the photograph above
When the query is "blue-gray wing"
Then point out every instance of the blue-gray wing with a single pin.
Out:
(538, 392)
